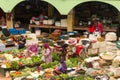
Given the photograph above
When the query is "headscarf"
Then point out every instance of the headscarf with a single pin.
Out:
(33, 48)
(46, 46)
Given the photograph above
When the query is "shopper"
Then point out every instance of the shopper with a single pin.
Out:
(62, 68)
(47, 53)
(64, 51)
(21, 42)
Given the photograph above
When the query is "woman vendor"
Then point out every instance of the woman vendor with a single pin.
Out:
(47, 53)
(96, 28)
(32, 50)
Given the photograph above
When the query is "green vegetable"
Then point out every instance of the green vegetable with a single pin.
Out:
(72, 62)
(14, 65)
(49, 65)
(55, 57)
(36, 59)
(64, 76)
(26, 61)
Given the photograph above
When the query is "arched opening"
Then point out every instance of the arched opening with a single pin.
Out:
(2, 18)
(27, 9)
(106, 13)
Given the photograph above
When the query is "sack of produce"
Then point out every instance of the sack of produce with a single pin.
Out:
(95, 45)
(116, 61)
(96, 65)
(117, 72)
(110, 36)
(118, 52)
(88, 61)
(107, 56)
(102, 49)
(103, 63)
(92, 52)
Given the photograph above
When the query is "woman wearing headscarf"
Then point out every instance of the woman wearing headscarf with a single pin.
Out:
(47, 53)
(32, 50)
(62, 67)
(96, 28)
(21, 42)
(64, 51)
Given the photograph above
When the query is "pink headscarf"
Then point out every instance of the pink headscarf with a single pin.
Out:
(45, 45)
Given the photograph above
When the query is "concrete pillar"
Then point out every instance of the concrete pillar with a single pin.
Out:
(8, 20)
(70, 21)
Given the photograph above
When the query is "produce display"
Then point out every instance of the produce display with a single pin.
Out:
(23, 65)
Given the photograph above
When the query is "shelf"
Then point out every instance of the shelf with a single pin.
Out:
(75, 27)
(46, 26)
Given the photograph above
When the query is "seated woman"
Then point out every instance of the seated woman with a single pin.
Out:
(21, 42)
(32, 50)
(62, 68)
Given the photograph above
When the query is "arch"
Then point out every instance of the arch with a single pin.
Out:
(8, 5)
(112, 3)
(3, 5)
(13, 4)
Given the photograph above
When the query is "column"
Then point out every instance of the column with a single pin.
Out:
(70, 21)
(8, 20)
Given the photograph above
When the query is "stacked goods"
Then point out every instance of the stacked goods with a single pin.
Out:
(57, 23)
(37, 22)
(63, 22)
(45, 22)
(50, 22)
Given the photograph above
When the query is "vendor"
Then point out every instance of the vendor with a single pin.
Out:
(96, 27)
(21, 42)
(47, 53)
(32, 50)
(62, 68)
